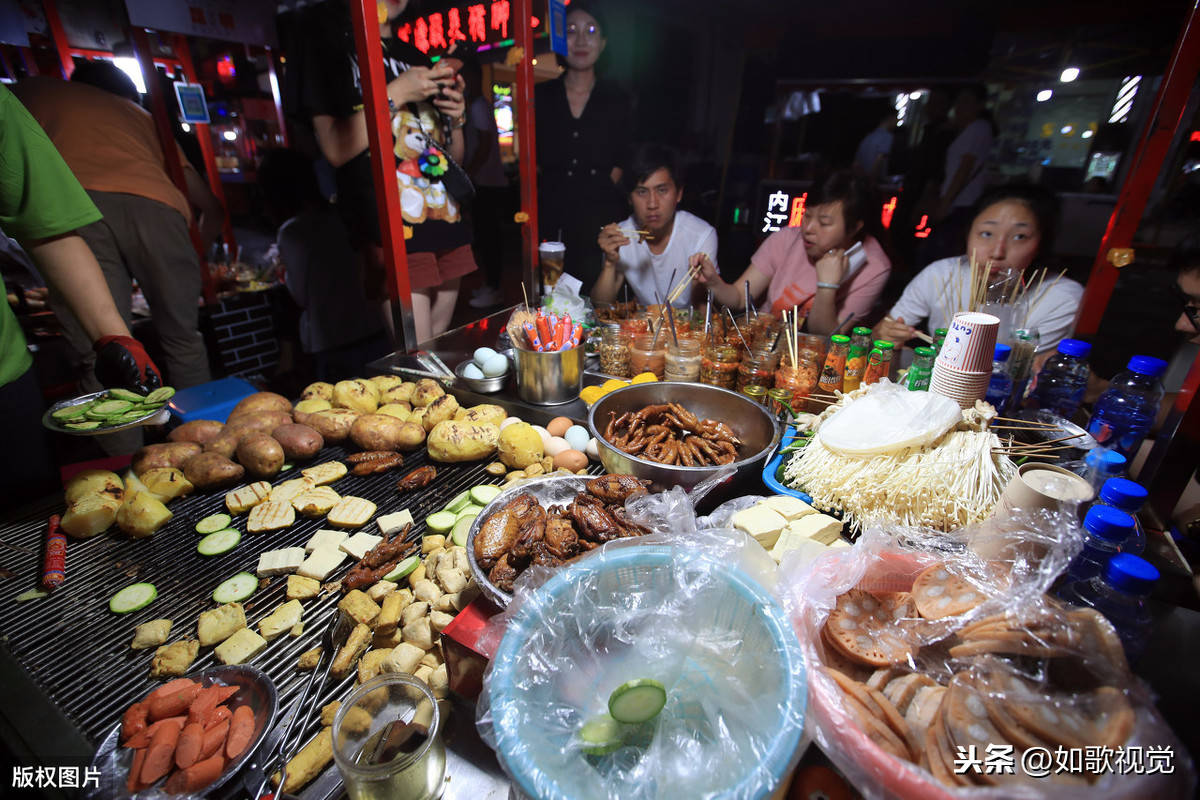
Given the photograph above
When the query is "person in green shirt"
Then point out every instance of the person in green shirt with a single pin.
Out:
(41, 205)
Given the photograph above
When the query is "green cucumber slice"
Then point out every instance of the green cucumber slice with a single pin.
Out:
(70, 412)
(86, 425)
(440, 522)
(125, 394)
(111, 408)
(600, 735)
(160, 395)
(460, 500)
(219, 542)
(127, 417)
(483, 494)
(469, 511)
(236, 589)
(213, 523)
(461, 528)
(637, 701)
(403, 569)
(132, 598)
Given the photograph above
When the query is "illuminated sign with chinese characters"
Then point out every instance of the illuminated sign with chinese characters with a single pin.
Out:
(480, 25)
(783, 207)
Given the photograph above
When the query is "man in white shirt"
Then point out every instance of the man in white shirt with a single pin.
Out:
(871, 158)
(648, 260)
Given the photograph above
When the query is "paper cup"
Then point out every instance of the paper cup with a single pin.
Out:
(971, 342)
(962, 387)
(1035, 487)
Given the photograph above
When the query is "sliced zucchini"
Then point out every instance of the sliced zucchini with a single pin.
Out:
(132, 598)
(469, 512)
(484, 493)
(236, 589)
(160, 395)
(85, 425)
(460, 500)
(637, 701)
(461, 528)
(439, 522)
(219, 542)
(70, 412)
(600, 735)
(213, 523)
(403, 569)
(111, 408)
(125, 394)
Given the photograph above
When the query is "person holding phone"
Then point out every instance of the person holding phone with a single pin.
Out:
(831, 268)
(428, 112)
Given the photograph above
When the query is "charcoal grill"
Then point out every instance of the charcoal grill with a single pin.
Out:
(70, 655)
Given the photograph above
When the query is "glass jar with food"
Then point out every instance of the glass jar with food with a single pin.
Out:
(615, 352)
(719, 365)
(683, 361)
(636, 324)
(800, 378)
(755, 370)
(648, 354)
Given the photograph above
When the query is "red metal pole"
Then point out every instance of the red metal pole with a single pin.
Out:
(166, 138)
(364, 17)
(204, 135)
(1165, 116)
(273, 79)
(59, 35)
(527, 146)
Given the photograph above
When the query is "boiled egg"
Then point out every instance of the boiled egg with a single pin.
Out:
(482, 355)
(570, 459)
(556, 445)
(577, 436)
(495, 366)
(558, 426)
(473, 372)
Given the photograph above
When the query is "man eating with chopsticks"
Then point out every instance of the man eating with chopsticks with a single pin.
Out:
(651, 249)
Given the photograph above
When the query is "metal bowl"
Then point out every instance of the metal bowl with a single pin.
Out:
(749, 421)
(481, 385)
(255, 690)
(560, 489)
(158, 416)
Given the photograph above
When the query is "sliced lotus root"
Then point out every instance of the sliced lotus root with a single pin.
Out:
(869, 716)
(863, 626)
(902, 690)
(834, 657)
(881, 677)
(1097, 635)
(965, 717)
(925, 706)
(1017, 645)
(942, 754)
(939, 593)
(895, 721)
(997, 707)
(1103, 717)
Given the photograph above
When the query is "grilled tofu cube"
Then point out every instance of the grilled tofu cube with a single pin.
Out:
(394, 522)
(218, 624)
(279, 562)
(151, 634)
(281, 619)
(302, 588)
(173, 660)
(320, 563)
(357, 545)
(325, 539)
(359, 607)
(239, 648)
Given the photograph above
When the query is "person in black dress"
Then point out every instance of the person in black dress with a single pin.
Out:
(583, 128)
(428, 113)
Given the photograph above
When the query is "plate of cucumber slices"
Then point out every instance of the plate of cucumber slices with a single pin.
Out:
(106, 411)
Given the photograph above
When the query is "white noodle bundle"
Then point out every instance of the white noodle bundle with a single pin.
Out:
(950, 484)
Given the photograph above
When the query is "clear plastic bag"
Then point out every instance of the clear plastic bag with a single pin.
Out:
(1058, 662)
(685, 607)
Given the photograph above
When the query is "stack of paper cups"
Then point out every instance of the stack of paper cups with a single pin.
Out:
(963, 367)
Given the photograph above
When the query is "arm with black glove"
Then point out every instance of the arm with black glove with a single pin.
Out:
(121, 361)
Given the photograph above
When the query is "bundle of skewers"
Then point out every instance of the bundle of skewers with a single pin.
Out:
(1047, 449)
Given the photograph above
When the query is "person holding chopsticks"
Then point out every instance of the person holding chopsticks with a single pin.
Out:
(654, 249)
(831, 268)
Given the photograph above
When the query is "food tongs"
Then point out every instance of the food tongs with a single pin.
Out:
(276, 755)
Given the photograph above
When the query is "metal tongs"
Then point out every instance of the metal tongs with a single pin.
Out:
(288, 744)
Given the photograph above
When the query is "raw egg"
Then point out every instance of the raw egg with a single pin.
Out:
(577, 436)
(558, 426)
(570, 459)
(556, 445)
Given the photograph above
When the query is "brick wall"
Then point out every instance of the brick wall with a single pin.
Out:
(244, 336)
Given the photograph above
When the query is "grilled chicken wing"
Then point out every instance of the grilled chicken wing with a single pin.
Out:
(499, 531)
(502, 575)
(616, 488)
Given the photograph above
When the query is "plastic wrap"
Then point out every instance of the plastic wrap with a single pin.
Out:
(888, 417)
(685, 607)
(1018, 653)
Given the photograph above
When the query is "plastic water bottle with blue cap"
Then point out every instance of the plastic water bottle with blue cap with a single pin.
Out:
(1001, 384)
(1100, 464)
(1127, 496)
(1120, 594)
(1063, 380)
(1105, 529)
(1125, 412)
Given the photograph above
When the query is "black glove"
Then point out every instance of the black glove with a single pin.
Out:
(122, 362)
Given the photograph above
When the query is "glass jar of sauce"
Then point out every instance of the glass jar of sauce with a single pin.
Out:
(719, 366)
(683, 361)
(647, 355)
(615, 352)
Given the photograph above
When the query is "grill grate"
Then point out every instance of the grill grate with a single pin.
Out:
(78, 652)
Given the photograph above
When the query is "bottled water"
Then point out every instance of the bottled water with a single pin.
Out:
(1125, 412)
(1105, 530)
(1062, 381)
(1120, 595)
(1127, 496)
(1000, 386)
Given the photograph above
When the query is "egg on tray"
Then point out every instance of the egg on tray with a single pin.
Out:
(473, 372)
(495, 366)
(570, 459)
(577, 436)
(556, 445)
(558, 426)
(481, 356)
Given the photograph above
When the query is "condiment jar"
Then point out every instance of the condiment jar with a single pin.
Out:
(683, 361)
(835, 364)
(719, 365)
(921, 369)
(636, 324)
(647, 355)
(755, 370)
(614, 352)
(800, 379)
(879, 364)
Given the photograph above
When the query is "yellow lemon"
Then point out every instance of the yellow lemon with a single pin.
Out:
(645, 377)
(612, 384)
(591, 394)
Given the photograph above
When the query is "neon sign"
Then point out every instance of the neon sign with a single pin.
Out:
(783, 204)
(483, 25)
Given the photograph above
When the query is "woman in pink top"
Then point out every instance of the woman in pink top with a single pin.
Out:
(808, 267)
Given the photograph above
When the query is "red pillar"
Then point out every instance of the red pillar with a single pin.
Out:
(364, 17)
(166, 137)
(204, 134)
(1165, 116)
(527, 147)
(59, 35)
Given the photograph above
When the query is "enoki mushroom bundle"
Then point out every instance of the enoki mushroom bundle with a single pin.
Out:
(952, 483)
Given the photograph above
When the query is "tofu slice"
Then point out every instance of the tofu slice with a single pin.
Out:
(239, 648)
(325, 539)
(239, 501)
(302, 588)
(818, 527)
(394, 522)
(270, 516)
(218, 624)
(760, 522)
(279, 562)
(322, 474)
(357, 545)
(788, 507)
(281, 620)
(321, 562)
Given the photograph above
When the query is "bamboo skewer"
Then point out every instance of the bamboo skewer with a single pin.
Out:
(1037, 300)
(739, 332)
(683, 284)
(1029, 422)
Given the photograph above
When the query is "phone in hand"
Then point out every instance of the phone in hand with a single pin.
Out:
(857, 256)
